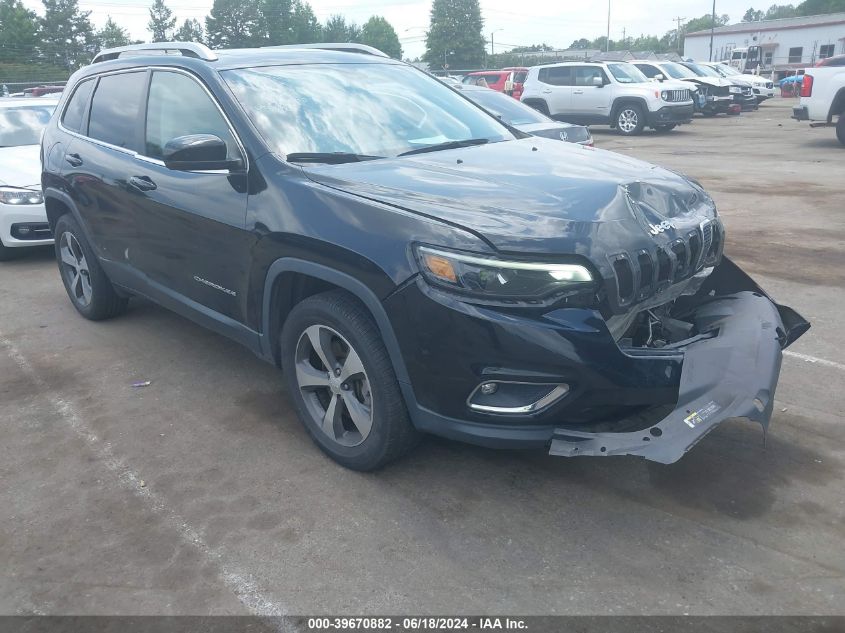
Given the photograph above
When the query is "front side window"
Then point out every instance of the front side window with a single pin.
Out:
(648, 70)
(626, 73)
(676, 71)
(23, 125)
(507, 108)
(116, 108)
(584, 75)
(75, 110)
(179, 106)
(373, 109)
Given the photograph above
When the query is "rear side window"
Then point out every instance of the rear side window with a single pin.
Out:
(179, 106)
(520, 76)
(556, 75)
(116, 108)
(72, 118)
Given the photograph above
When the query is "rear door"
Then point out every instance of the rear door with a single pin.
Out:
(591, 103)
(190, 223)
(557, 89)
(98, 159)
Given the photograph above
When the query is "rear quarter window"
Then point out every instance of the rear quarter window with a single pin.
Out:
(75, 110)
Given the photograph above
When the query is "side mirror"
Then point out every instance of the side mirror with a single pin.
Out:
(659, 77)
(197, 152)
(598, 82)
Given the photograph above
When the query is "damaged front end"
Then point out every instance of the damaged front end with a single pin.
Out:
(730, 334)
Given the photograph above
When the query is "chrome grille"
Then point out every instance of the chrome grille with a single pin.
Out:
(676, 96)
(706, 237)
(747, 91)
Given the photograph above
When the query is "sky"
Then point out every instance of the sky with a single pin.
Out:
(515, 23)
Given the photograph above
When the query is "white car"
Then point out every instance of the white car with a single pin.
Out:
(763, 88)
(23, 218)
(612, 93)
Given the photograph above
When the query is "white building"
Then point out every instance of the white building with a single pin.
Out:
(787, 43)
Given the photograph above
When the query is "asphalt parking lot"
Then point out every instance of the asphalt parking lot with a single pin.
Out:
(202, 494)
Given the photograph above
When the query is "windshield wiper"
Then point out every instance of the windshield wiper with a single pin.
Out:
(332, 158)
(446, 145)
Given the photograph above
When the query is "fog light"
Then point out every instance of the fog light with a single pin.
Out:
(515, 398)
(489, 388)
(24, 230)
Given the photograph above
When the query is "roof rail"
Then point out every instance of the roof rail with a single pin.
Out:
(348, 47)
(186, 49)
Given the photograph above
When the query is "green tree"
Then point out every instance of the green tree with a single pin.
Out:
(337, 29)
(233, 24)
(454, 37)
(815, 7)
(378, 33)
(581, 44)
(111, 35)
(18, 32)
(304, 27)
(753, 15)
(66, 34)
(190, 31)
(275, 21)
(161, 22)
(777, 11)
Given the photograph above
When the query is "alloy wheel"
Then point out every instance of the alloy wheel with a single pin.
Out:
(334, 385)
(75, 269)
(628, 120)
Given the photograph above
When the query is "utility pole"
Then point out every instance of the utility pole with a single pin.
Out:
(492, 47)
(712, 29)
(607, 44)
(678, 37)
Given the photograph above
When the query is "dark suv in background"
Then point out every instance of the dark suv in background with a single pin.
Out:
(411, 262)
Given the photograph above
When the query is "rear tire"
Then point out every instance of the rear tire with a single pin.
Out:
(341, 380)
(629, 119)
(840, 128)
(85, 281)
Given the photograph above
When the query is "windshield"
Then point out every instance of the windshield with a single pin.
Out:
(23, 125)
(726, 70)
(363, 108)
(703, 71)
(627, 73)
(676, 71)
(507, 108)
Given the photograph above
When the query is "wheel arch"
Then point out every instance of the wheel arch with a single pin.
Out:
(620, 102)
(837, 106)
(541, 105)
(290, 279)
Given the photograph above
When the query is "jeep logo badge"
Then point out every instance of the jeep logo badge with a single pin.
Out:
(562, 135)
(656, 229)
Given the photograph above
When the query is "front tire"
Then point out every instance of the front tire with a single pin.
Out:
(341, 380)
(840, 128)
(630, 120)
(85, 281)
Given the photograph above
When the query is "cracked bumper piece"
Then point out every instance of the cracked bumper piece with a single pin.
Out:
(732, 374)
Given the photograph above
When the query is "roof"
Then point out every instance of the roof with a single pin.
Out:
(775, 25)
(18, 102)
(482, 73)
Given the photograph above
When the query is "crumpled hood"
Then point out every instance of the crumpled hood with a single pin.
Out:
(710, 81)
(529, 195)
(20, 166)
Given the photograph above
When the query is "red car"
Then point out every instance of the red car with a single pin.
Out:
(498, 80)
(519, 75)
(838, 60)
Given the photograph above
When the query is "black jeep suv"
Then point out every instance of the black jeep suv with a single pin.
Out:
(411, 262)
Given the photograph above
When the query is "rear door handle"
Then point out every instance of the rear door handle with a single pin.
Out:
(75, 160)
(547, 91)
(577, 92)
(142, 183)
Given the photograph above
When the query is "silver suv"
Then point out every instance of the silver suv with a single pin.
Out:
(607, 93)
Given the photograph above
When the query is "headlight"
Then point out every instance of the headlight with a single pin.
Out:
(735, 90)
(13, 195)
(664, 95)
(496, 278)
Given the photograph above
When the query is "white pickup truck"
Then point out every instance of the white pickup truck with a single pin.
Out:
(823, 98)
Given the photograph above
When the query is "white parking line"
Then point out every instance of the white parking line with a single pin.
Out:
(813, 359)
(243, 586)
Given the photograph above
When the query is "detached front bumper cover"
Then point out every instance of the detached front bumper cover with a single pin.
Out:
(732, 374)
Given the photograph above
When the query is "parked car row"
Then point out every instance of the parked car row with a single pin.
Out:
(623, 94)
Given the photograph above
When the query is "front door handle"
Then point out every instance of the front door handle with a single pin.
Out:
(75, 160)
(577, 92)
(547, 91)
(142, 183)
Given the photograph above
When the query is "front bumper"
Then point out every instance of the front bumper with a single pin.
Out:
(619, 399)
(716, 105)
(14, 217)
(674, 114)
(747, 102)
